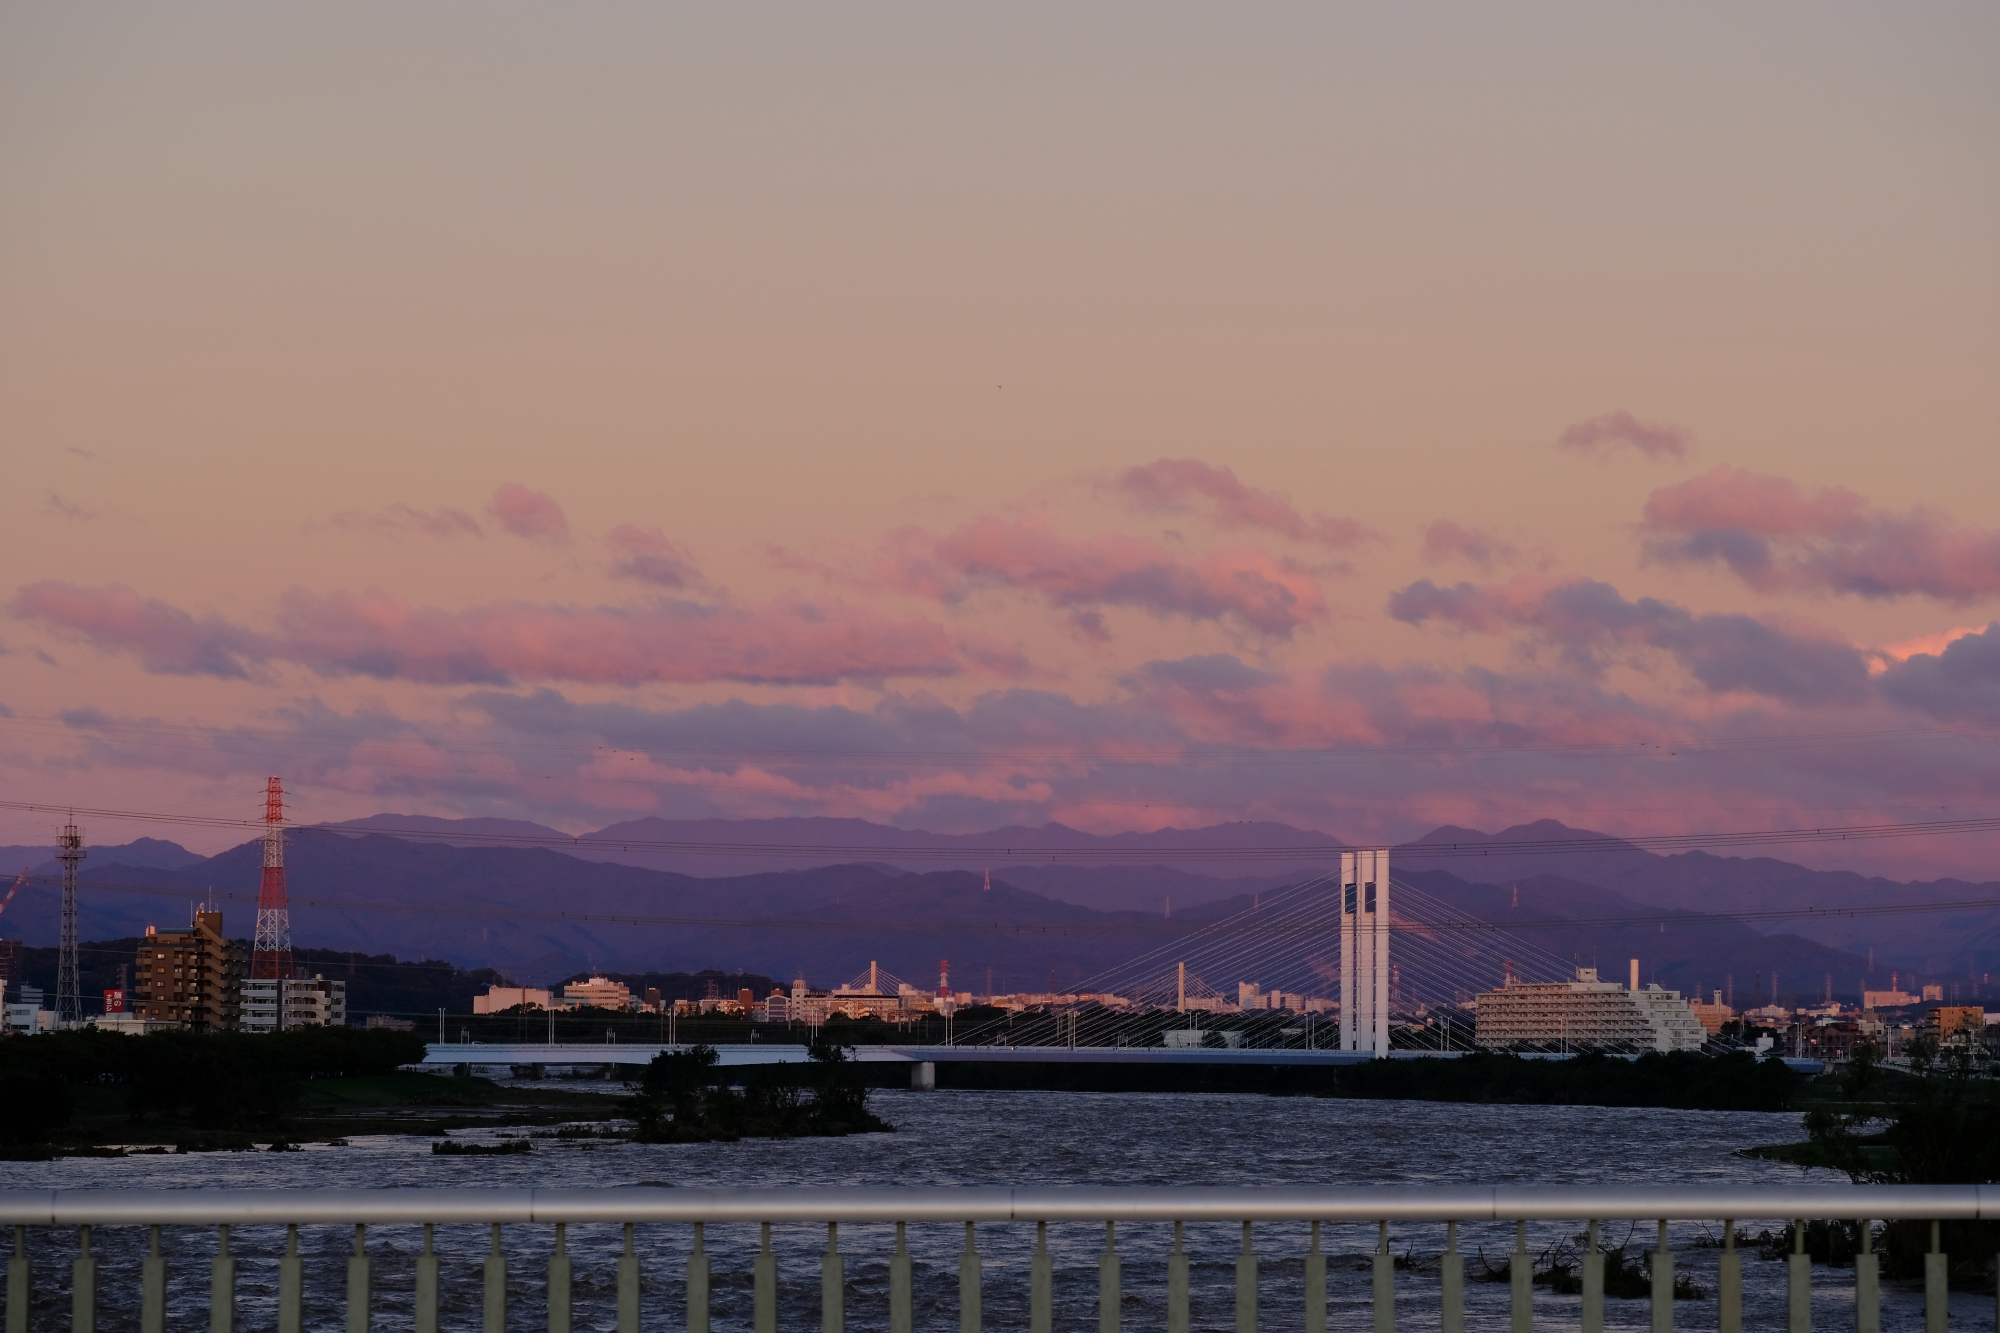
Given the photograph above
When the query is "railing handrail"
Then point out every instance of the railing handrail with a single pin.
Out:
(74, 1207)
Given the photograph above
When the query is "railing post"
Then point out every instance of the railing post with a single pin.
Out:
(83, 1289)
(1593, 1281)
(833, 1284)
(1520, 1284)
(20, 1274)
(765, 1286)
(1246, 1286)
(1385, 1283)
(559, 1275)
(1108, 1295)
(1798, 1283)
(222, 1286)
(1867, 1283)
(1041, 1284)
(1315, 1285)
(1729, 1281)
(291, 1284)
(426, 1311)
(899, 1283)
(971, 1304)
(1663, 1284)
(1451, 1283)
(358, 1283)
(628, 1285)
(153, 1287)
(1936, 1295)
(697, 1284)
(494, 1314)
(1177, 1286)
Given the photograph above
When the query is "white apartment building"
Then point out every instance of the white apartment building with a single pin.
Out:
(1586, 1013)
(272, 1004)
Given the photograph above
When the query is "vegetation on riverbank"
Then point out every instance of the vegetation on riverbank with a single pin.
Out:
(684, 1097)
(74, 1092)
(1680, 1080)
(1939, 1124)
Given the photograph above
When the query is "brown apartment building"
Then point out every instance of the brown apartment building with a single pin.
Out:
(193, 977)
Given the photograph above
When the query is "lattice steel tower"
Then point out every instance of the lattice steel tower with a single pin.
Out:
(271, 951)
(69, 850)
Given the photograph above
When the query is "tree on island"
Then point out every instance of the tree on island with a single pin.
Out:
(684, 1097)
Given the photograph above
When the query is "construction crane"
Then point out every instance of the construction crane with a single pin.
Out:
(19, 880)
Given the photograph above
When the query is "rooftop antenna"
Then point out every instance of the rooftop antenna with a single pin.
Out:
(271, 952)
(69, 850)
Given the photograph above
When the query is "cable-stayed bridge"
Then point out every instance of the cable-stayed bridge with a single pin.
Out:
(1347, 956)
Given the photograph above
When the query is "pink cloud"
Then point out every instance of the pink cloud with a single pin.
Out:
(787, 641)
(1178, 485)
(167, 640)
(1446, 540)
(1363, 750)
(1776, 536)
(1243, 585)
(648, 555)
(1929, 645)
(527, 513)
(1592, 626)
(1622, 430)
(400, 519)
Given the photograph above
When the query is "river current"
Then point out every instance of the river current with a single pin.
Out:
(986, 1138)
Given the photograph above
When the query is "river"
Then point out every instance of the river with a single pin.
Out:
(988, 1138)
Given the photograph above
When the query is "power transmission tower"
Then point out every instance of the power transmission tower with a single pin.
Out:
(69, 850)
(271, 950)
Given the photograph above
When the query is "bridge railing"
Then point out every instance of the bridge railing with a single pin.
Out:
(88, 1212)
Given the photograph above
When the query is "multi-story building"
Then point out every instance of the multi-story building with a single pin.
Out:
(1954, 1025)
(25, 1014)
(192, 977)
(499, 999)
(1586, 1014)
(1887, 999)
(275, 1004)
(597, 993)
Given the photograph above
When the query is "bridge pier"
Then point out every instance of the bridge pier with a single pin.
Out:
(923, 1076)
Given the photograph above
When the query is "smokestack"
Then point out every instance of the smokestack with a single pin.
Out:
(1635, 974)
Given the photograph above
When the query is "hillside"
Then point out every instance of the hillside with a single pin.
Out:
(538, 915)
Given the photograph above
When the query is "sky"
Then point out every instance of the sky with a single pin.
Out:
(1361, 417)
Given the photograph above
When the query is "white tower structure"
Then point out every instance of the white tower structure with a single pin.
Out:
(1364, 951)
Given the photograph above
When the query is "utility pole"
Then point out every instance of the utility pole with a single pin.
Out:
(69, 850)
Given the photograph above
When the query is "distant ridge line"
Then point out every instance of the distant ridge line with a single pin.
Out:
(1584, 843)
(1127, 923)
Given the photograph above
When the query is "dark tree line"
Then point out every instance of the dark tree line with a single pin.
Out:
(219, 1081)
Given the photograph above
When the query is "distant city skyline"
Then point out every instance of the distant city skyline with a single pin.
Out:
(1129, 417)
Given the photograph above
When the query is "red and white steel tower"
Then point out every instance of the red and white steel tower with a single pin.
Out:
(271, 951)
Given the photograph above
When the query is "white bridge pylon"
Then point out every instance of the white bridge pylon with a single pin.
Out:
(1364, 951)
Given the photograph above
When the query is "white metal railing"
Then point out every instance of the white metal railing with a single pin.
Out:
(86, 1210)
